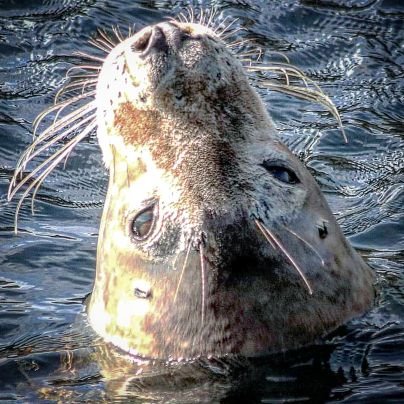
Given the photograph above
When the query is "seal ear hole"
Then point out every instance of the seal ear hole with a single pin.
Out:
(280, 173)
(322, 231)
(142, 223)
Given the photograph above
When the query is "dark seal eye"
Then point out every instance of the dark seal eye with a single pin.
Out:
(143, 222)
(280, 173)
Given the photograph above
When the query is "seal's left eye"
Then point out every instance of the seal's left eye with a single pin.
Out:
(142, 223)
(280, 173)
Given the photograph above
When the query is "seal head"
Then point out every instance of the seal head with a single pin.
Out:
(214, 239)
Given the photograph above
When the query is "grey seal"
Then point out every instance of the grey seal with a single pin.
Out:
(215, 239)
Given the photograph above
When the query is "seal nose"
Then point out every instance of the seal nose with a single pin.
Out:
(158, 38)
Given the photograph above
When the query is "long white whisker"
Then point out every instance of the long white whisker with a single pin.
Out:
(83, 67)
(201, 17)
(225, 34)
(231, 33)
(27, 155)
(107, 39)
(292, 71)
(91, 57)
(220, 26)
(307, 243)
(75, 86)
(59, 107)
(118, 34)
(82, 77)
(213, 12)
(183, 267)
(273, 240)
(181, 18)
(62, 105)
(100, 44)
(53, 160)
(192, 15)
(238, 43)
(309, 95)
(54, 140)
(282, 55)
(66, 151)
(108, 45)
(15, 189)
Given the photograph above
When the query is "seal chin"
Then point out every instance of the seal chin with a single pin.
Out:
(214, 238)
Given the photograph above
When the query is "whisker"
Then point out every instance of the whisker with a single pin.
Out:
(252, 52)
(75, 86)
(101, 45)
(183, 267)
(270, 237)
(231, 33)
(106, 43)
(315, 95)
(202, 260)
(49, 164)
(201, 17)
(56, 137)
(107, 38)
(238, 43)
(75, 114)
(131, 30)
(14, 188)
(60, 107)
(223, 35)
(83, 67)
(27, 155)
(282, 55)
(91, 57)
(220, 25)
(307, 243)
(309, 95)
(66, 149)
(213, 12)
(118, 34)
(244, 61)
(192, 14)
(293, 71)
(82, 76)
(182, 18)
(259, 225)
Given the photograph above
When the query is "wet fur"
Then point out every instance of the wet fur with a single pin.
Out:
(230, 262)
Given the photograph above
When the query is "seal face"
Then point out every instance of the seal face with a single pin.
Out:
(214, 239)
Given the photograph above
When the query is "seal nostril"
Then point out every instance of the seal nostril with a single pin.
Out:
(142, 40)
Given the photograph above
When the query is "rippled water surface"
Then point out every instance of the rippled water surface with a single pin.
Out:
(354, 51)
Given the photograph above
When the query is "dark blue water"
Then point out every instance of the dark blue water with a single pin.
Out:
(354, 49)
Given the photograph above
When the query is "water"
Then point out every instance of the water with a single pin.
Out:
(354, 50)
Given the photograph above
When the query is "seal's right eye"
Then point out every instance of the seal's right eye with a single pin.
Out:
(281, 173)
(142, 223)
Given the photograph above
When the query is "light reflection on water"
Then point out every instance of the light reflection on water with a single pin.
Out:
(47, 351)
